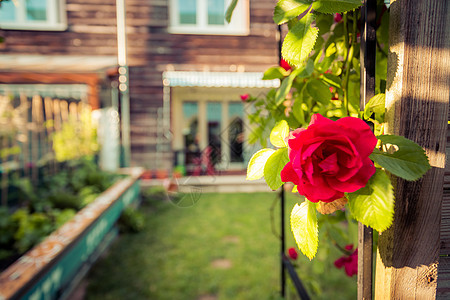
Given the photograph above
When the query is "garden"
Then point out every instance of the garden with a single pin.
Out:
(352, 145)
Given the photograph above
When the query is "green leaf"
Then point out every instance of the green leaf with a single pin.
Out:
(285, 87)
(305, 229)
(273, 167)
(279, 133)
(230, 10)
(306, 70)
(289, 9)
(408, 161)
(332, 80)
(335, 6)
(275, 73)
(373, 205)
(319, 91)
(376, 105)
(255, 169)
(299, 41)
(297, 110)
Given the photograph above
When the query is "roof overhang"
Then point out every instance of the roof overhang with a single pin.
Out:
(218, 79)
(56, 63)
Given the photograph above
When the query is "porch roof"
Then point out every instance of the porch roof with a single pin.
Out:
(218, 79)
(55, 63)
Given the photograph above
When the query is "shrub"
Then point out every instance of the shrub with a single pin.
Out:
(131, 220)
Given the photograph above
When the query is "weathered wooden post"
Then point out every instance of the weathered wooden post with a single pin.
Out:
(417, 107)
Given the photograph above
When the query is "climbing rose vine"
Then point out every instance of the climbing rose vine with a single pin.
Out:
(321, 141)
(337, 164)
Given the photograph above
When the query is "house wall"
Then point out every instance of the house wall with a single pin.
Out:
(151, 50)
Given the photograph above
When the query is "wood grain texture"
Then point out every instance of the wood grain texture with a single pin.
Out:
(417, 108)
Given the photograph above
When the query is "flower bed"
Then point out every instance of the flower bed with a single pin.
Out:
(47, 270)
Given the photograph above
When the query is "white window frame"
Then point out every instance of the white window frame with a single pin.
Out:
(56, 18)
(239, 24)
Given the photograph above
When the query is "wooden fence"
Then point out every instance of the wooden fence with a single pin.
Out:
(27, 127)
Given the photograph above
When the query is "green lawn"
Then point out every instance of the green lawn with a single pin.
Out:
(220, 248)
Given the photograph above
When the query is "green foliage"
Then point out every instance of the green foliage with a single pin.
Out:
(230, 10)
(273, 167)
(299, 41)
(376, 105)
(319, 91)
(286, 10)
(255, 169)
(325, 78)
(401, 157)
(305, 229)
(77, 138)
(152, 194)
(131, 220)
(7, 229)
(65, 199)
(31, 228)
(50, 205)
(373, 205)
(275, 73)
(335, 6)
(60, 217)
(279, 134)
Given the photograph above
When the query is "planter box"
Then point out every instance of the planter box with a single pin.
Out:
(48, 270)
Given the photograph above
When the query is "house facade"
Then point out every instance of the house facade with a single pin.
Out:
(187, 69)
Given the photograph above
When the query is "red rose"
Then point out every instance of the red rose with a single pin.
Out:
(292, 253)
(245, 97)
(285, 65)
(337, 18)
(330, 158)
(350, 263)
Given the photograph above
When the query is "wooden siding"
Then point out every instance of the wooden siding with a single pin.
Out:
(151, 50)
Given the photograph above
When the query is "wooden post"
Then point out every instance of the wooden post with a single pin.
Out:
(417, 106)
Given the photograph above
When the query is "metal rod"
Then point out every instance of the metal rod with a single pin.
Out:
(367, 56)
(283, 243)
(301, 291)
(123, 80)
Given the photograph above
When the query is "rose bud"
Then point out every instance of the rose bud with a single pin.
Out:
(285, 65)
(292, 253)
(245, 97)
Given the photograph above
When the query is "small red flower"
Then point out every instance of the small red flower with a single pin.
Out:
(349, 262)
(285, 65)
(337, 18)
(245, 97)
(292, 253)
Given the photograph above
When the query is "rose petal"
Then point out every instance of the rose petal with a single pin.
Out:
(288, 174)
(339, 263)
(364, 141)
(358, 181)
(329, 165)
(318, 118)
(320, 192)
(349, 247)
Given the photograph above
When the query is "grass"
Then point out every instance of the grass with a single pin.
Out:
(222, 247)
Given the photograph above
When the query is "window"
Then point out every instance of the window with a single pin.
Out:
(33, 15)
(208, 17)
